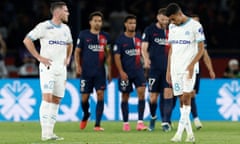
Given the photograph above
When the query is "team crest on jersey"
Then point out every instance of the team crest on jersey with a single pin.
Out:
(187, 33)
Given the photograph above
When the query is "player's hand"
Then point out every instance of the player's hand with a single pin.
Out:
(45, 61)
(168, 78)
(109, 77)
(67, 61)
(78, 71)
(1, 38)
(190, 71)
(146, 72)
(212, 74)
(147, 63)
(123, 76)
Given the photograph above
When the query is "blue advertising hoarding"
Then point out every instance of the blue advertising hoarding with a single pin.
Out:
(20, 99)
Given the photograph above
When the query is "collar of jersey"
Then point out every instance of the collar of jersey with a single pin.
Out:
(56, 26)
(185, 22)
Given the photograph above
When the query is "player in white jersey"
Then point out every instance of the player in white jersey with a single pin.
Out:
(186, 39)
(55, 53)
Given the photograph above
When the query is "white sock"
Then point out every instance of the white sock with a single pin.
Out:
(53, 116)
(44, 118)
(196, 119)
(181, 123)
(188, 125)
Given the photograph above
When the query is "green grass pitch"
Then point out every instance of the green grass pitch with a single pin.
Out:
(213, 132)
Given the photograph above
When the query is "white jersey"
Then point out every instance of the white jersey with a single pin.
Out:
(53, 39)
(184, 40)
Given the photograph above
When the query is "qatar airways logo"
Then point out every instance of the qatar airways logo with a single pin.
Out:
(179, 42)
(96, 48)
(52, 42)
(132, 52)
(160, 41)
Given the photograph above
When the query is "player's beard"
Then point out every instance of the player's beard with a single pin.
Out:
(64, 19)
(97, 28)
(131, 30)
(163, 25)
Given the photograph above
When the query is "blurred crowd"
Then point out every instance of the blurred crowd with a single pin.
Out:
(220, 19)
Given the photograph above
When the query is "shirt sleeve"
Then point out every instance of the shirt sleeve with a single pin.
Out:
(80, 41)
(199, 33)
(116, 48)
(145, 35)
(108, 42)
(69, 40)
(37, 32)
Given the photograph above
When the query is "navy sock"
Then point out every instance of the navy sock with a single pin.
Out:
(99, 112)
(161, 105)
(124, 107)
(153, 108)
(141, 107)
(167, 110)
(85, 107)
(194, 108)
(174, 101)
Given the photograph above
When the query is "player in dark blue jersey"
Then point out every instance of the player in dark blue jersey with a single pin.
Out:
(90, 54)
(127, 55)
(155, 53)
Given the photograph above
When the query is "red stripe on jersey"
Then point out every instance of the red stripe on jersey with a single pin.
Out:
(137, 43)
(102, 43)
(167, 46)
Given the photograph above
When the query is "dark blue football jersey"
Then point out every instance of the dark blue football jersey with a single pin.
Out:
(92, 51)
(158, 46)
(130, 51)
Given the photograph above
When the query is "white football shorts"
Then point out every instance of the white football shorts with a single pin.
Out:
(53, 79)
(181, 83)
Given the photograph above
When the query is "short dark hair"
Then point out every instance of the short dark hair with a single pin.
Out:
(194, 15)
(95, 13)
(130, 16)
(172, 8)
(162, 11)
(55, 5)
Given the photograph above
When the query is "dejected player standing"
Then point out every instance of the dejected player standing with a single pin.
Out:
(93, 48)
(56, 49)
(186, 38)
(155, 52)
(127, 55)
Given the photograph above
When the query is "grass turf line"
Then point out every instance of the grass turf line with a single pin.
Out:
(213, 132)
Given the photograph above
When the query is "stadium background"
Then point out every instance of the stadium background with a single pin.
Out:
(220, 19)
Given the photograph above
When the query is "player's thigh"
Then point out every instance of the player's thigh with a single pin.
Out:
(154, 82)
(86, 84)
(100, 82)
(197, 83)
(60, 84)
(177, 84)
(125, 86)
(139, 79)
(188, 83)
(46, 79)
